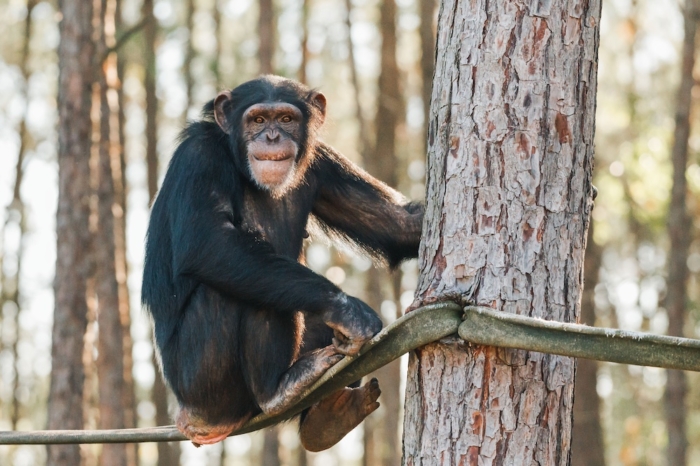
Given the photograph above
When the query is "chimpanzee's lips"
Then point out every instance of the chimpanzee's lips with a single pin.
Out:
(273, 157)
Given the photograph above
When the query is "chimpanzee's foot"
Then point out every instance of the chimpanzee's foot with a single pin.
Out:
(199, 432)
(329, 420)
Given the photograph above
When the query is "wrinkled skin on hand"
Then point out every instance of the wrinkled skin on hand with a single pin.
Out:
(353, 322)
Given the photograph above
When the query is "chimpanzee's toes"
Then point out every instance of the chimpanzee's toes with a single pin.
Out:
(199, 432)
(329, 420)
(329, 356)
(372, 392)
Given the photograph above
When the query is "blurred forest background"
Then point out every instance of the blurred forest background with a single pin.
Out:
(163, 59)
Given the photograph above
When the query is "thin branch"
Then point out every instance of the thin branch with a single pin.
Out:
(486, 326)
(124, 38)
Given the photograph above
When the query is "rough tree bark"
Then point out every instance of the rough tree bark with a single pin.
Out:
(587, 448)
(508, 202)
(76, 55)
(679, 227)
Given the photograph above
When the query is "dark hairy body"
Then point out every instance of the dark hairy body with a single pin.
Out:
(240, 325)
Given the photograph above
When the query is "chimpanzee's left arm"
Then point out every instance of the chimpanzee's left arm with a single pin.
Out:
(358, 207)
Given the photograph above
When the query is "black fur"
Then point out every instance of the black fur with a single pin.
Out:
(222, 280)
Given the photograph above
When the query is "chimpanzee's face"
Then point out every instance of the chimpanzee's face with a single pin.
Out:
(273, 136)
(272, 133)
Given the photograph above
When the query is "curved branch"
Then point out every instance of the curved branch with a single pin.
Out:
(415, 329)
(481, 325)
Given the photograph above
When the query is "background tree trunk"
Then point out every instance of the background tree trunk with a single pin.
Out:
(119, 164)
(149, 59)
(427, 60)
(679, 227)
(110, 361)
(361, 121)
(271, 447)
(266, 36)
(304, 41)
(509, 197)
(168, 452)
(381, 435)
(76, 55)
(189, 56)
(10, 283)
(587, 448)
(266, 54)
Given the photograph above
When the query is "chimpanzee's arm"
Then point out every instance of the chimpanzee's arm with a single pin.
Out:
(213, 251)
(358, 207)
(209, 248)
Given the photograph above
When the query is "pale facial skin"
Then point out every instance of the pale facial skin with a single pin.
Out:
(272, 132)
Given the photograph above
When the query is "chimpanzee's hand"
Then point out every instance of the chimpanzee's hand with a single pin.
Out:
(353, 323)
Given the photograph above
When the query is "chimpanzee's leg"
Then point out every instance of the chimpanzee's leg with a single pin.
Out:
(328, 421)
(274, 371)
(201, 362)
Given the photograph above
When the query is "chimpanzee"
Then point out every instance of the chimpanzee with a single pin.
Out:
(241, 326)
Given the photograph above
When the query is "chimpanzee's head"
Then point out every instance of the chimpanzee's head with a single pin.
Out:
(272, 124)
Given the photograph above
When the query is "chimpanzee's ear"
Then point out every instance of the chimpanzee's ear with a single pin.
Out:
(220, 110)
(318, 100)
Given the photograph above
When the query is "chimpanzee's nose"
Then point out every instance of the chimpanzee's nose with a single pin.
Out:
(273, 136)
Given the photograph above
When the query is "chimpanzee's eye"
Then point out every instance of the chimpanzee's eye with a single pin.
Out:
(259, 119)
(286, 119)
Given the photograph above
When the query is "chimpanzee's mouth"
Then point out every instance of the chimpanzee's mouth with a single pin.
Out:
(273, 156)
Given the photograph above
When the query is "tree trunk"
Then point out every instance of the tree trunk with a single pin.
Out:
(10, 285)
(110, 361)
(266, 53)
(149, 58)
(301, 456)
(168, 452)
(76, 55)
(304, 40)
(266, 36)
(189, 56)
(508, 203)
(362, 124)
(271, 447)
(381, 435)
(119, 162)
(587, 448)
(679, 227)
(216, 62)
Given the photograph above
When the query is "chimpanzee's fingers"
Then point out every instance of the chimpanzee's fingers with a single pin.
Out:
(340, 336)
(349, 347)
